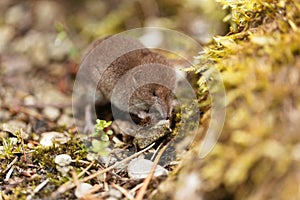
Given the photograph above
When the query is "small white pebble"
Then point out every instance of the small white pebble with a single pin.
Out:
(63, 160)
(48, 138)
(63, 170)
(115, 193)
(64, 119)
(51, 112)
(29, 100)
(140, 168)
(82, 189)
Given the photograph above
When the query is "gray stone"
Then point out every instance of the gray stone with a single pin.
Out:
(6, 35)
(51, 113)
(82, 189)
(34, 44)
(140, 168)
(19, 16)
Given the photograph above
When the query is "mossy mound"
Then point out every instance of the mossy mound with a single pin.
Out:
(257, 156)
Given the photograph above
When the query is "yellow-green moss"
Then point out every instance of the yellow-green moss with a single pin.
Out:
(259, 61)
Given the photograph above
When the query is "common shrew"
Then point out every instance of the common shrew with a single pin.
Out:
(144, 76)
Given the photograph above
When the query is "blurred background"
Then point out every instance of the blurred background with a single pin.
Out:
(48, 31)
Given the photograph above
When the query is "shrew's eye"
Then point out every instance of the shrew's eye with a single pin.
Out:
(156, 93)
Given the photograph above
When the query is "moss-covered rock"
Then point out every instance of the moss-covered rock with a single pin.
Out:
(257, 156)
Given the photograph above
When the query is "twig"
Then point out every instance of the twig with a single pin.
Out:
(81, 161)
(91, 197)
(90, 193)
(40, 186)
(9, 173)
(85, 170)
(37, 189)
(75, 178)
(95, 188)
(117, 164)
(147, 180)
(155, 152)
(69, 185)
(11, 164)
(136, 188)
(125, 192)
(22, 143)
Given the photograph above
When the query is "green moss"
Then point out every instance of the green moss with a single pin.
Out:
(259, 62)
(45, 168)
